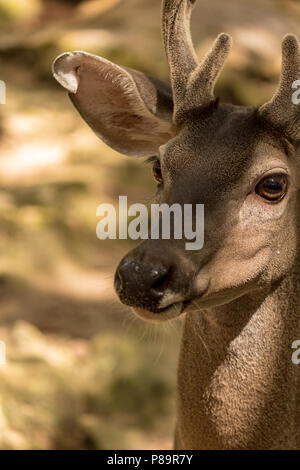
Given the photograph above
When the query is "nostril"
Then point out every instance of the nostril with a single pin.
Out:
(117, 282)
(161, 281)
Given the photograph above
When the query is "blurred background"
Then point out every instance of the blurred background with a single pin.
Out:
(82, 372)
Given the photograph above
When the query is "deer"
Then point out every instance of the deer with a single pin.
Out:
(237, 387)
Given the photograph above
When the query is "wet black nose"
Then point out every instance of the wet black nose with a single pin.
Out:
(141, 284)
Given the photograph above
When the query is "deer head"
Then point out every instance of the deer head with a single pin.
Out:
(240, 162)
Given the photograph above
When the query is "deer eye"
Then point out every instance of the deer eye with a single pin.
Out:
(272, 187)
(157, 172)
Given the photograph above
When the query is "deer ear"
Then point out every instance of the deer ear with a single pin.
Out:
(128, 110)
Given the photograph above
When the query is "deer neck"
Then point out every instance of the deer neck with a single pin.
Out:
(237, 385)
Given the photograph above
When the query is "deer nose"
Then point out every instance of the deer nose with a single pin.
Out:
(141, 284)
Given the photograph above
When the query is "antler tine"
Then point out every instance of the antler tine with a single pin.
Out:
(179, 48)
(192, 83)
(280, 110)
(200, 87)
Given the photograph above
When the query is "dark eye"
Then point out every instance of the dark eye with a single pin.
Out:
(157, 172)
(272, 187)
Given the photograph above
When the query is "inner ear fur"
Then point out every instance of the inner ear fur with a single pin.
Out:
(130, 111)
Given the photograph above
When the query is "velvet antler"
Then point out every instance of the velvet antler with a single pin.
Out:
(280, 111)
(192, 83)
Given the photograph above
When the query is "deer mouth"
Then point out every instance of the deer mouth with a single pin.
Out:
(171, 310)
(162, 314)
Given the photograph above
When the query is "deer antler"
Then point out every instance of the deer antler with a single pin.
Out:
(192, 83)
(280, 111)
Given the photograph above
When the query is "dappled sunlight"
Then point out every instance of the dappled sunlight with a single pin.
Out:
(82, 372)
(30, 158)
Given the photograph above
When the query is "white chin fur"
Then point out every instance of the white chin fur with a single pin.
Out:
(172, 312)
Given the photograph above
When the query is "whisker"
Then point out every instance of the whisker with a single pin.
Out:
(196, 330)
